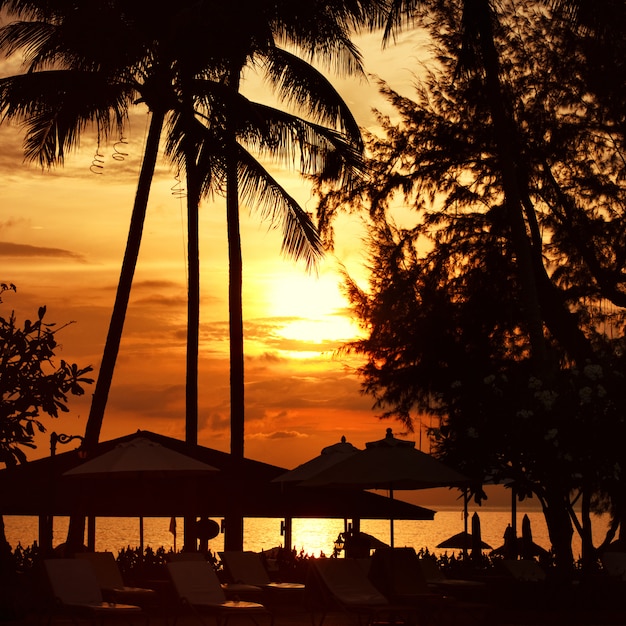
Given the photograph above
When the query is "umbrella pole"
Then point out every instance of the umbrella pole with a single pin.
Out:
(391, 529)
(465, 517)
(141, 536)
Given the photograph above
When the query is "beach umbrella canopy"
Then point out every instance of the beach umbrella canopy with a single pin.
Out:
(140, 456)
(514, 546)
(390, 464)
(329, 456)
(461, 541)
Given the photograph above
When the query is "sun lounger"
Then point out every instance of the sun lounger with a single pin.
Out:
(397, 572)
(77, 594)
(343, 584)
(112, 584)
(614, 564)
(247, 568)
(233, 591)
(198, 589)
(526, 571)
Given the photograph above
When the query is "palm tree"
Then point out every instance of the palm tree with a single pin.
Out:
(277, 134)
(57, 104)
(69, 84)
(149, 76)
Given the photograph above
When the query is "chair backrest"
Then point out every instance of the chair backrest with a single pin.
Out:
(245, 567)
(347, 582)
(185, 556)
(104, 565)
(430, 570)
(396, 572)
(524, 570)
(614, 563)
(73, 581)
(196, 582)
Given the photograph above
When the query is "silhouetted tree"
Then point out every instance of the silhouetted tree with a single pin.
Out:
(31, 383)
(160, 60)
(186, 69)
(447, 318)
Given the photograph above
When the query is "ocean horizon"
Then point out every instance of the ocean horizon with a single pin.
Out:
(309, 536)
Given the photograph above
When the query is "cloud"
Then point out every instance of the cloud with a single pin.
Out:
(12, 222)
(280, 434)
(22, 250)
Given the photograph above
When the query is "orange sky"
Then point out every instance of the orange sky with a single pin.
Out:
(62, 237)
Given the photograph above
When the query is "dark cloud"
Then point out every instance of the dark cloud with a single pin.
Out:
(159, 299)
(155, 285)
(13, 221)
(22, 250)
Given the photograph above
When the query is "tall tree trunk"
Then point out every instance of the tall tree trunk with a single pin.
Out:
(235, 313)
(233, 539)
(560, 530)
(76, 530)
(193, 304)
(133, 243)
(508, 151)
(193, 326)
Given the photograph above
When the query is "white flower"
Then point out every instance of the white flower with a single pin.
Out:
(524, 413)
(547, 398)
(593, 371)
(489, 380)
(472, 433)
(456, 384)
(551, 434)
(585, 394)
(601, 391)
(534, 383)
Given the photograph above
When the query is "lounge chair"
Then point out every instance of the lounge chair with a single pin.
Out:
(524, 570)
(437, 580)
(199, 590)
(247, 568)
(397, 572)
(529, 580)
(77, 594)
(185, 556)
(343, 584)
(112, 584)
(614, 564)
(233, 591)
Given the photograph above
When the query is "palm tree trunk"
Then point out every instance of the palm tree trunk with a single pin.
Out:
(233, 538)
(116, 325)
(76, 530)
(235, 305)
(193, 304)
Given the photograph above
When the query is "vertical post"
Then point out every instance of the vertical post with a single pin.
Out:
(91, 533)
(286, 529)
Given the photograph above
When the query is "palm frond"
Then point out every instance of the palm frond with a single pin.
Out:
(299, 83)
(314, 149)
(55, 106)
(400, 12)
(261, 192)
(24, 37)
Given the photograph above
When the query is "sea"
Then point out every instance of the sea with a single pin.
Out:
(313, 537)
